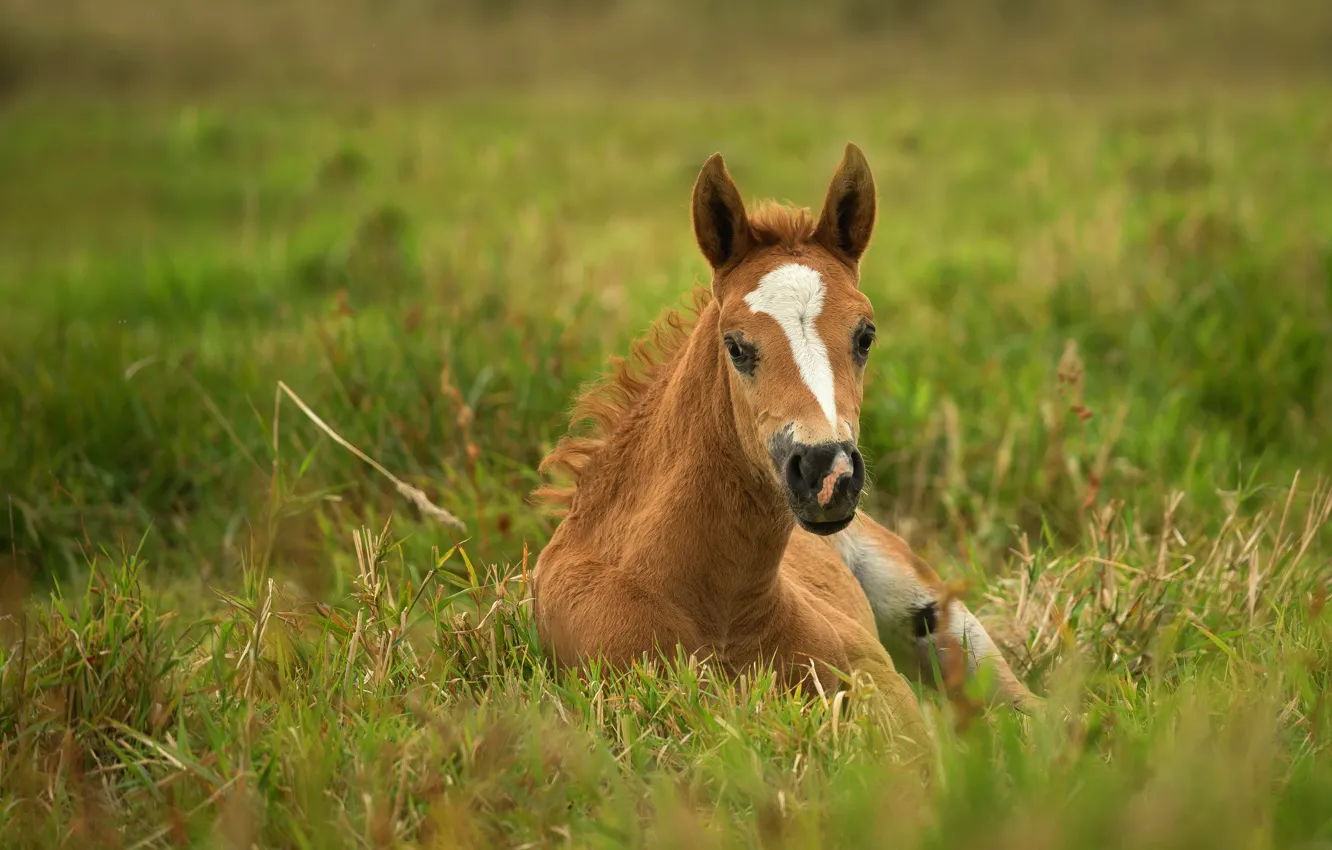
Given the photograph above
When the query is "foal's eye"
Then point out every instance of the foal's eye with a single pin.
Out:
(864, 340)
(742, 355)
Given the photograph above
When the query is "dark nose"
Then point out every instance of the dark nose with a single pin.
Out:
(825, 479)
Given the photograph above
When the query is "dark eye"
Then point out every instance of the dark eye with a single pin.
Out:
(864, 340)
(742, 355)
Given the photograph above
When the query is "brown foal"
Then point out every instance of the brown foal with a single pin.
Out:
(714, 506)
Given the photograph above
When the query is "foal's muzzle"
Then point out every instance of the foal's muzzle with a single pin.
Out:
(823, 482)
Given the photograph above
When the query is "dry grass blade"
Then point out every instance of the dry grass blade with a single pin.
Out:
(413, 494)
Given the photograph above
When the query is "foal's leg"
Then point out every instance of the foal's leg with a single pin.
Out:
(892, 701)
(815, 636)
(905, 595)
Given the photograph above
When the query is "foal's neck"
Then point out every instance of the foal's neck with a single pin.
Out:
(718, 527)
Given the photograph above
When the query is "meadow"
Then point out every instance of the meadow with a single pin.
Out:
(1100, 401)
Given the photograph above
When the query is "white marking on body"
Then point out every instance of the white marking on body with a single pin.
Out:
(793, 295)
(893, 591)
(967, 630)
(895, 594)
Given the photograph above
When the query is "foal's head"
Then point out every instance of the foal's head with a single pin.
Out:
(794, 332)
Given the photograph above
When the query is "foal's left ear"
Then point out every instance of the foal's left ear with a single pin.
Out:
(847, 221)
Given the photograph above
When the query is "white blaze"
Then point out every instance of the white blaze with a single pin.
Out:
(793, 295)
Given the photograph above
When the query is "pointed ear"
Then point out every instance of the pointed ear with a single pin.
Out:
(720, 223)
(847, 220)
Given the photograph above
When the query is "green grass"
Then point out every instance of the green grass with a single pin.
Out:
(195, 651)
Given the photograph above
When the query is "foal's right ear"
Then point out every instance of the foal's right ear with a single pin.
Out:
(720, 223)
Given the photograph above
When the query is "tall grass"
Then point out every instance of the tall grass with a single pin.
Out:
(414, 707)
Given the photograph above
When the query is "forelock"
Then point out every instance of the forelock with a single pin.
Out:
(780, 225)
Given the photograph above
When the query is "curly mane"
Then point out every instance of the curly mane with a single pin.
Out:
(603, 403)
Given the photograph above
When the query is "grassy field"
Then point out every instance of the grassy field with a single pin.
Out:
(1101, 397)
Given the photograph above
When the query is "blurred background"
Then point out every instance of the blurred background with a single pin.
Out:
(450, 47)
(435, 219)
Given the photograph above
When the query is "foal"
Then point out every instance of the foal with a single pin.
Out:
(715, 504)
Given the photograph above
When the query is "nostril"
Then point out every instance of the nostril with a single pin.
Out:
(857, 469)
(795, 478)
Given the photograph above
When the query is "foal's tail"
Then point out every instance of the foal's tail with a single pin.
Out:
(921, 623)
